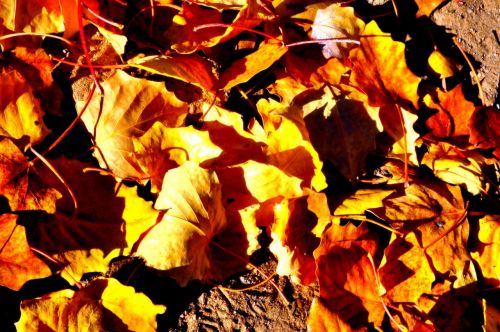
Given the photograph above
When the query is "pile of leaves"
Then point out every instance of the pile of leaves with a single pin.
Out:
(350, 135)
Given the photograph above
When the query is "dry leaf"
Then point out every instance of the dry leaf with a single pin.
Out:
(194, 240)
(488, 248)
(103, 305)
(18, 263)
(379, 67)
(130, 107)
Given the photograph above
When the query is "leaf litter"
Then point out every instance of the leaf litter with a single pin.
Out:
(250, 165)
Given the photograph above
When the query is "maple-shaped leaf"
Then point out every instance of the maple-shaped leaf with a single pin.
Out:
(288, 145)
(194, 239)
(20, 183)
(456, 166)
(426, 7)
(322, 319)
(484, 129)
(18, 263)
(242, 70)
(130, 107)
(405, 271)
(435, 212)
(296, 232)
(20, 112)
(162, 148)
(336, 22)
(486, 251)
(379, 69)
(453, 113)
(190, 68)
(108, 222)
(347, 277)
(341, 130)
(103, 305)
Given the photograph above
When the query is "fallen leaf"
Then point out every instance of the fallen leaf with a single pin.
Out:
(453, 113)
(435, 213)
(288, 146)
(162, 148)
(296, 233)
(379, 67)
(189, 68)
(456, 166)
(242, 70)
(486, 251)
(362, 200)
(322, 319)
(442, 65)
(426, 7)
(20, 183)
(405, 271)
(18, 264)
(336, 22)
(103, 305)
(20, 112)
(130, 107)
(106, 226)
(347, 280)
(252, 182)
(484, 132)
(194, 239)
(341, 131)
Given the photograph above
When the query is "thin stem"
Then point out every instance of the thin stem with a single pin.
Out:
(361, 217)
(222, 25)
(474, 74)
(405, 146)
(61, 265)
(117, 66)
(65, 184)
(24, 34)
(249, 287)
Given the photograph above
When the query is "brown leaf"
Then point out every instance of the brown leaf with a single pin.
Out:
(379, 67)
(20, 183)
(484, 127)
(130, 107)
(18, 263)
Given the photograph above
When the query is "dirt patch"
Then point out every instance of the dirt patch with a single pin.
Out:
(476, 24)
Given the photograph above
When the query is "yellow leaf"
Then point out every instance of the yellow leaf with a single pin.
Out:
(20, 112)
(103, 305)
(194, 240)
(130, 107)
(486, 252)
(442, 65)
(162, 148)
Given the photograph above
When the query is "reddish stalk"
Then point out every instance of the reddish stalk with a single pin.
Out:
(56, 173)
(405, 146)
(69, 63)
(361, 217)
(61, 265)
(24, 34)
(474, 74)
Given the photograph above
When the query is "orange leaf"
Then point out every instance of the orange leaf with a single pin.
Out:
(379, 67)
(453, 113)
(347, 280)
(18, 264)
(20, 183)
(426, 7)
(298, 224)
